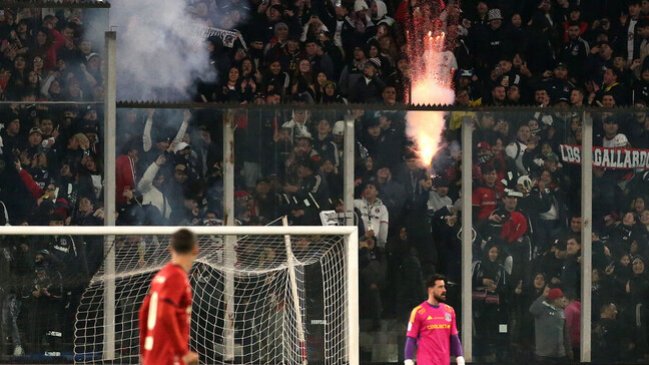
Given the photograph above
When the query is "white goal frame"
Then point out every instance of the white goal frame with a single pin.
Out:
(350, 234)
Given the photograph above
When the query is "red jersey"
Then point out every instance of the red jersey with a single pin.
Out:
(486, 200)
(165, 318)
(124, 177)
(514, 228)
(432, 327)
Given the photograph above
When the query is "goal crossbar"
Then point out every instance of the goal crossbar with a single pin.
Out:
(161, 230)
(348, 233)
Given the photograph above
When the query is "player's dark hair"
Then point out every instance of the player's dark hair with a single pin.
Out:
(433, 279)
(183, 241)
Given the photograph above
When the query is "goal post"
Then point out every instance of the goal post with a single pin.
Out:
(290, 260)
(294, 299)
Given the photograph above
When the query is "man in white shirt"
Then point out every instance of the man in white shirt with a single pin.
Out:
(516, 149)
(151, 187)
(299, 124)
(374, 214)
(438, 198)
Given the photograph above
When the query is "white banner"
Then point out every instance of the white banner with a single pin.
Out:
(610, 158)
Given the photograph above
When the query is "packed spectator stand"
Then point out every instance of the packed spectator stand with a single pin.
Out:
(557, 56)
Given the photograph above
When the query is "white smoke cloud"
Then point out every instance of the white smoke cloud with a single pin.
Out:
(159, 54)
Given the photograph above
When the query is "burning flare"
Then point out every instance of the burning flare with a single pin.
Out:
(431, 79)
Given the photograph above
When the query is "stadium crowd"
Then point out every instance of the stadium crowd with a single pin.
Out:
(526, 208)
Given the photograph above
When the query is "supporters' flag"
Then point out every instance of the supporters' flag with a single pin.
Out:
(610, 158)
(229, 37)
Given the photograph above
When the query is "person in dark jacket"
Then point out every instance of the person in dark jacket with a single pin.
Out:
(393, 195)
(324, 143)
(612, 84)
(87, 215)
(14, 265)
(368, 88)
(371, 262)
(636, 290)
(522, 321)
(571, 271)
(43, 297)
(490, 287)
(312, 194)
(404, 280)
(575, 51)
(609, 335)
(493, 42)
(68, 256)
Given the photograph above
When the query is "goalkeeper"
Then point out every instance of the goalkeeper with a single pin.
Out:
(165, 313)
(432, 329)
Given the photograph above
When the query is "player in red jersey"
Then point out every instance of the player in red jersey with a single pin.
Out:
(165, 313)
(432, 329)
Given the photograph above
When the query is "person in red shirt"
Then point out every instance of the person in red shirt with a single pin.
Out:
(508, 228)
(125, 172)
(165, 313)
(486, 197)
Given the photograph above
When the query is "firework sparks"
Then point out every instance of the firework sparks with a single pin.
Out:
(431, 78)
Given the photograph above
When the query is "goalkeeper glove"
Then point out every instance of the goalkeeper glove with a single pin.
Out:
(409, 362)
(459, 360)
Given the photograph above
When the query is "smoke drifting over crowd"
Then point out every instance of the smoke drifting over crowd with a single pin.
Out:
(160, 51)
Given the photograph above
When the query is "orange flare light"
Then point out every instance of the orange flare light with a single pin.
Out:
(431, 84)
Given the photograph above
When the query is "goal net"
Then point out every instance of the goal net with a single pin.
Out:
(261, 295)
